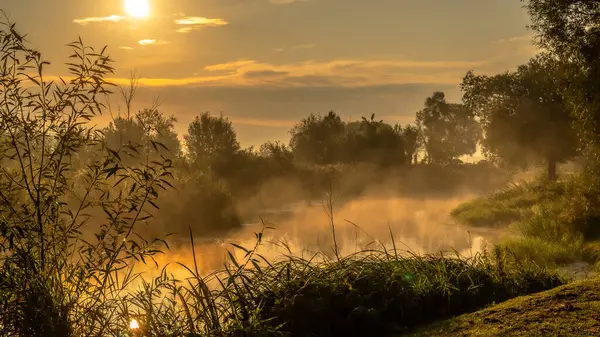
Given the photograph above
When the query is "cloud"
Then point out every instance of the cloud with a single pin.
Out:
(195, 22)
(229, 65)
(111, 18)
(335, 73)
(346, 73)
(512, 39)
(126, 48)
(273, 123)
(147, 42)
(265, 73)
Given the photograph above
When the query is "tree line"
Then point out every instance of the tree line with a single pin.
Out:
(518, 119)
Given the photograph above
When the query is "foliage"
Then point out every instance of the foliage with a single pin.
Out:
(410, 135)
(200, 202)
(523, 114)
(59, 264)
(318, 139)
(211, 142)
(148, 126)
(372, 141)
(448, 130)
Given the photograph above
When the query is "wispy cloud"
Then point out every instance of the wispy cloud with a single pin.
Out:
(111, 18)
(147, 42)
(126, 48)
(342, 73)
(275, 123)
(335, 73)
(195, 22)
(512, 39)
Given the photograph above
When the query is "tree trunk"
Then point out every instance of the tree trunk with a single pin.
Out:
(552, 176)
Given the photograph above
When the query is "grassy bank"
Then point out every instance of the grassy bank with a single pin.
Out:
(570, 310)
(510, 205)
(378, 294)
(554, 221)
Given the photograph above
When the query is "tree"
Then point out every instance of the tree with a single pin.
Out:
(160, 129)
(149, 132)
(278, 155)
(211, 141)
(448, 130)
(570, 30)
(410, 134)
(380, 143)
(523, 114)
(318, 139)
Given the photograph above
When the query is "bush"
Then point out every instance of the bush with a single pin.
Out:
(201, 203)
(59, 267)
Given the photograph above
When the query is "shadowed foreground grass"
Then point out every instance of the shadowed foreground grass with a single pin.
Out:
(375, 293)
(570, 310)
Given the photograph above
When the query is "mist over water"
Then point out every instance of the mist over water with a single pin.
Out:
(418, 225)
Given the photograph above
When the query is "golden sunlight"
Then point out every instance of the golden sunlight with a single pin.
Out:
(137, 8)
(134, 324)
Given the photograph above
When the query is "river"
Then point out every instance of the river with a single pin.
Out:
(417, 225)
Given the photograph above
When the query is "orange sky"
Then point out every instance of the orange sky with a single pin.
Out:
(267, 63)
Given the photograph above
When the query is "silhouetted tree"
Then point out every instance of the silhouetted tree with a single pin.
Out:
(318, 139)
(523, 114)
(211, 141)
(410, 135)
(448, 130)
(570, 30)
(379, 142)
(150, 132)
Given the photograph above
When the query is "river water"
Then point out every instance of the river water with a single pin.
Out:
(417, 226)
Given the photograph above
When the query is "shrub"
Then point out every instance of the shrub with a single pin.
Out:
(58, 266)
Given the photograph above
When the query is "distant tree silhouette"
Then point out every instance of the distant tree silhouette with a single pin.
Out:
(149, 127)
(523, 114)
(318, 139)
(448, 130)
(379, 143)
(410, 135)
(211, 142)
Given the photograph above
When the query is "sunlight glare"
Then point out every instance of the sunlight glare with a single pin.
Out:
(134, 324)
(137, 8)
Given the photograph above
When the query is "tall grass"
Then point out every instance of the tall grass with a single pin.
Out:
(511, 204)
(372, 292)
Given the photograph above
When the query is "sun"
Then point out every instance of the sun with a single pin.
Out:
(137, 8)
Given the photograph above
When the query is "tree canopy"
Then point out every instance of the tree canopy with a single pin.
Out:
(570, 30)
(448, 130)
(211, 139)
(318, 138)
(523, 114)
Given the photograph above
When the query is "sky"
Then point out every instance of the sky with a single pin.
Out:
(265, 64)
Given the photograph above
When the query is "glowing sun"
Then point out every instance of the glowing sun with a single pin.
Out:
(137, 8)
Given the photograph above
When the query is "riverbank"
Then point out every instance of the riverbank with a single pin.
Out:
(569, 310)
